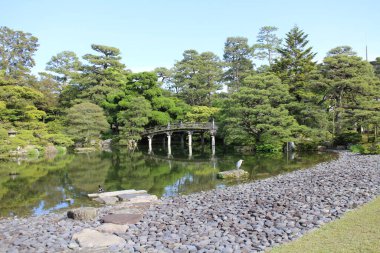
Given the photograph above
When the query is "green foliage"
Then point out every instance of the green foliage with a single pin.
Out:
(341, 50)
(267, 44)
(237, 56)
(133, 118)
(269, 148)
(351, 91)
(255, 116)
(65, 66)
(366, 149)
(295, 64)
(16, 55)
(85, 122)
(347, 138)
(201, 114)
(197, 76)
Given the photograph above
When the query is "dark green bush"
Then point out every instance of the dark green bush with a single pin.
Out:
(347, 138)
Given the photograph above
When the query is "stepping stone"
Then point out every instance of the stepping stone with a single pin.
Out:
(136, 198)
(128, 211)
(122, 219)
(128, 197)
(114, 193)
(112, 228)
(83, 213)
(89, 238)
(107, 200)
(139, 205)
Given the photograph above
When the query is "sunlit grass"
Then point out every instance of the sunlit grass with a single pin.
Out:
(356, 231)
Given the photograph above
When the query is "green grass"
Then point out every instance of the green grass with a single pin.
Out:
(357, 231)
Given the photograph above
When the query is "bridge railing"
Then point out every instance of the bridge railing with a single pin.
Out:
(181, 126)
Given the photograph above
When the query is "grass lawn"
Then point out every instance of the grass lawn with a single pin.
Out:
(356, 231)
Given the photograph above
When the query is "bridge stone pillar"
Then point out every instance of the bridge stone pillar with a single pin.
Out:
(190, 135)
(213, 133)
(150, 139)
(169, 135)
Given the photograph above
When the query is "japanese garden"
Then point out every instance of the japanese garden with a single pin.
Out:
(306, 133)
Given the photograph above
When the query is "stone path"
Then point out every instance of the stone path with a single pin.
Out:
(244, 218)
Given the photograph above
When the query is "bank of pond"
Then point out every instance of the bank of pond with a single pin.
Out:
(39, 186)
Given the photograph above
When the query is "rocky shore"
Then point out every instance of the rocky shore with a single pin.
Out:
(244, 218)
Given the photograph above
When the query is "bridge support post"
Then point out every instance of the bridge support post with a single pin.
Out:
(169, 135)
(213, 133)
(190, 135)
(150, 139)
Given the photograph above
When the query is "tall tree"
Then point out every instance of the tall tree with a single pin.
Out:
(197, 77)
(17, 49)
(64, 66)
(86, 121)
(267, 44)
(295, 64)
(255, 114)
(350, 88)
(133, 118)
(237, 55)
(102, 75)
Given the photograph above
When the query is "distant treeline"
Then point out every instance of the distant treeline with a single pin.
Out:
(291, 98)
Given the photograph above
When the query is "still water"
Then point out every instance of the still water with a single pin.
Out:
(47, 185)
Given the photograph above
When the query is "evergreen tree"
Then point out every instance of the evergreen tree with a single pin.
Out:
(295, 64)
(17, 49)
(86, 121)
(351, 91)
(64, 67)
(341, 50)
(237, 56)
(255, 114)
(132, 119)
(197, 76)
(267, 44)
(103, 75)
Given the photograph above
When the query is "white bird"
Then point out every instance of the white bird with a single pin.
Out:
(238, 164)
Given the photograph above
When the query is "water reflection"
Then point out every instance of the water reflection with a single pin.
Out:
(45, 185)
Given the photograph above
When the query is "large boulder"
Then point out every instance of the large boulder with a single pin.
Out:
(233, 174)
(83, 213)
(89, 238)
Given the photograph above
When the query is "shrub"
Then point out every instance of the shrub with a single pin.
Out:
(346, 138)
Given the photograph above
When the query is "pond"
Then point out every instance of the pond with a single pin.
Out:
(47, 185)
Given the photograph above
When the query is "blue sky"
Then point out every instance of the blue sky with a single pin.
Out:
(155, 33)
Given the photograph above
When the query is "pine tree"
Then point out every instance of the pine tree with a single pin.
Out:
(295, 64)
(237, 56)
